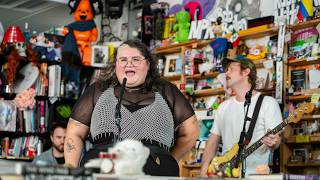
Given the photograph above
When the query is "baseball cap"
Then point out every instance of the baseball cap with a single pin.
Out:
(245, 62)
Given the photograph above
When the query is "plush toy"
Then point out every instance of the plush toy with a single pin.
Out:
(45, 48)
(130, 157)
(81, 33)
(182, 27)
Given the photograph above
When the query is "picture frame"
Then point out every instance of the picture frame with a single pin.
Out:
(173, 65)
(99, 56)
(302, 152)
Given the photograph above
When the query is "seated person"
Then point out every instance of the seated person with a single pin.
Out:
(54, 155)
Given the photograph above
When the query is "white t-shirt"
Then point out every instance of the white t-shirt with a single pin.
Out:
(229, 122)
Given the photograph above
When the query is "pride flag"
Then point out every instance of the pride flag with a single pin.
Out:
(305, 9)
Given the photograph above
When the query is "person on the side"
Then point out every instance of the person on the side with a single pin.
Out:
(241, 76)
(55, 155)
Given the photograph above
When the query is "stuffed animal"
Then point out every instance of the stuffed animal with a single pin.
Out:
(81, 33)
(130, 157)
(182, 27)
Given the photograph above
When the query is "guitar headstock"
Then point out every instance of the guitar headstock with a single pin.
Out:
(297, 114)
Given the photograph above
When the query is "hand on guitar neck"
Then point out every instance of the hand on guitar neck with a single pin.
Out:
(272, 140)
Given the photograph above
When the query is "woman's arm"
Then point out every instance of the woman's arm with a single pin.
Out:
(188, 132)
(76, 134)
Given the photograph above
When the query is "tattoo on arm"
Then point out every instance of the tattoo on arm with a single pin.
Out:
(70, 145)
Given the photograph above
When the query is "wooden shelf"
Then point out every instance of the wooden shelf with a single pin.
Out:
(8, 96)
(312, 139)
(16, 158)
(299, 97)
(305, 24)
(198, 165)
(266, 91)
(307, 164)
(247, 34)
(310, 117)
(176, 48)
(303, 62)
(172, 78)
(20, 134)
(203, 76)
(209, 92)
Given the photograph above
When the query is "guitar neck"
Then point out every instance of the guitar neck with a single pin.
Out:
(257, 144)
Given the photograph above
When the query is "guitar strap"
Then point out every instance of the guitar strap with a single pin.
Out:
(254, 119)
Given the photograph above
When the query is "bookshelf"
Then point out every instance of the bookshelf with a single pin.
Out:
(290, 162)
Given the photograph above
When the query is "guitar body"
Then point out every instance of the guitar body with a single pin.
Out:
(225, 165)
(218, 161)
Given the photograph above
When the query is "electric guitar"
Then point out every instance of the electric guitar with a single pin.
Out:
(226, 165)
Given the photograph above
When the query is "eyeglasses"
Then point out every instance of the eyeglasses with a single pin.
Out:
(135, 61)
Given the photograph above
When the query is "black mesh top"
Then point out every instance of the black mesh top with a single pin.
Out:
(133, 99)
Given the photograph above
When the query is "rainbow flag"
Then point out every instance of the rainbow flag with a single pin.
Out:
(305, 9)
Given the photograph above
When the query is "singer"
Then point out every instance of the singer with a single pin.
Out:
(241, 75)
(151, 110)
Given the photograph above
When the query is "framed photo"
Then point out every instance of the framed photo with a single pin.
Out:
(99, 56)
(173, 65)
(302, 152)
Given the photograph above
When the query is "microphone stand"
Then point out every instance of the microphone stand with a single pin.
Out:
(242, 143)
(117, 114)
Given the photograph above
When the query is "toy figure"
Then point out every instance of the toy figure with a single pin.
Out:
(182, 26)
(12, 48)
(130, 157)
(81, 33)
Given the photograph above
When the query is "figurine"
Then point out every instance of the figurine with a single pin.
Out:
(182, 27)
(81, 33)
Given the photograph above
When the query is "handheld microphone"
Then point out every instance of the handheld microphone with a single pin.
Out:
(118, 106)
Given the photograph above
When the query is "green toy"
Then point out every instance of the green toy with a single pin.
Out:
(182, 26)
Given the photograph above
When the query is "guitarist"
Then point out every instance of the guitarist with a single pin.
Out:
(241, 77)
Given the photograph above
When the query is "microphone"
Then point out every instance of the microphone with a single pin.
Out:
(118, 106)
(123, 87)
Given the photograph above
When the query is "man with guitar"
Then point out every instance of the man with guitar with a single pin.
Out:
(241, 77)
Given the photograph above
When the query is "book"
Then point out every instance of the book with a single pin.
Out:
(54, 80)
(298, 79)
(314, 78)
(56, 170)
(300, 177)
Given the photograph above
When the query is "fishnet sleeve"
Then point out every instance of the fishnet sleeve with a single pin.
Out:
(179, 105)
(83, 108)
